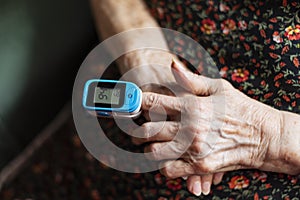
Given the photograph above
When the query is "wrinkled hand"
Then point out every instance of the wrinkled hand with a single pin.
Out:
(154, 67)
(220, 128)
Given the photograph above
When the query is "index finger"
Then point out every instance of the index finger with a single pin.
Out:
(172, 105)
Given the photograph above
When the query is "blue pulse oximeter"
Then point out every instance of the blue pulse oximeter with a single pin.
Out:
(111, 98)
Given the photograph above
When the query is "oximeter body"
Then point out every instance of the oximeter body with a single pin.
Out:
(111, 98)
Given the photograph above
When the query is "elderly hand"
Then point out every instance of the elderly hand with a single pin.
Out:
(152, 67)
(220, 129)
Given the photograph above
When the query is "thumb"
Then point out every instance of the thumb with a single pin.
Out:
(196, 84)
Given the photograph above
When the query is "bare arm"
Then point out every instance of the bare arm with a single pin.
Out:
(113, 17)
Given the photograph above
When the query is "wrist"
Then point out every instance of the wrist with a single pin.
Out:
(283, 150)
(145, 57)
(290, 142)
(271, 132)
(147, 66)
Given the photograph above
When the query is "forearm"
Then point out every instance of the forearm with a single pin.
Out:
(290, 141)
(113, 17)
(283, 154)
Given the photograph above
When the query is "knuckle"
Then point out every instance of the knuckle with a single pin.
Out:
(146, 128)
(154, 152)
(177, 105)
(151, 100)
(168, 172)
(174, 127)
(196, 149)
(221, 85)
(186, 104)
(148, 131)
(204, 167)
(192, 128)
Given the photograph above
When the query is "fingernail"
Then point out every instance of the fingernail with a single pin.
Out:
(175, 64)
(197, 188)
(217, 179)
(206, 188)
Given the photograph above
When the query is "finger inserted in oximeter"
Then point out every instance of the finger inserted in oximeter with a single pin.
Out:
(111, 98)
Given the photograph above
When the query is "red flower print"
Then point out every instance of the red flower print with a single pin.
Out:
(273, 55)
(284, 3)
(252, 8)
(274, 20)
(179, 21)
(287, 198)
(286, 98)
(278, 76)
(268, 95)
(256, 197)
(223, 72)
(158, 178)
(250, 92)
(268, 185)
(174, 184)
(222, 60)
(220, 187)
(228, 25)
(272, 47)
(223, 7)
(255, 72)
(262, 33)
(242, 38)
(271, 26)
(276, 37)
(285, 49)
(242, 25)
(296, 62)
(208, 26)
(247, 47)
(282, 64)
(292, 33)
(240, 75)
(238, 182)
(258, 12)
(260, 175)
(162, 198)
(289, 81)
(278, 103)
(293, 179)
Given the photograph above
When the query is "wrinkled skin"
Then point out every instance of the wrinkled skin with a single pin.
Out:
(154, 67)
(220, 129)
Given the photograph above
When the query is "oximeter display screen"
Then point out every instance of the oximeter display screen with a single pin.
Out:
(107, 95)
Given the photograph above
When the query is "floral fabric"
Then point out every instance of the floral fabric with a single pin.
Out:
(255, 44)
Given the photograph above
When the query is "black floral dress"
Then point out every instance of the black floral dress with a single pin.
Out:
(256, 46)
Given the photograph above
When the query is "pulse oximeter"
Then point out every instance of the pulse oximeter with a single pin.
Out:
(111, 98)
